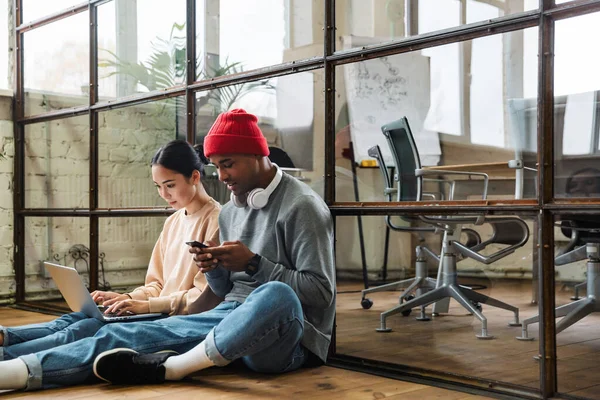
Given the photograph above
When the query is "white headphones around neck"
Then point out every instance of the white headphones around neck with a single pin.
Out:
(259, 197)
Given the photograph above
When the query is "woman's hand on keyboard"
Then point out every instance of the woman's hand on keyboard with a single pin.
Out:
(124, 307)
(107, 298)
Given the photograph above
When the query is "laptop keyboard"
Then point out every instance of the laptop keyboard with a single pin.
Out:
(108, 315)
(113, 314)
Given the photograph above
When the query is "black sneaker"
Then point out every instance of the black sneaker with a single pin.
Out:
(125, 366)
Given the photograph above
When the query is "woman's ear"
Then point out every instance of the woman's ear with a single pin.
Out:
(195, 177)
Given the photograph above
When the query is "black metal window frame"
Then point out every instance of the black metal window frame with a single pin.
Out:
(545, 206)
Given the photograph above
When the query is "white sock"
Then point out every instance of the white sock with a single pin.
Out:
(13, 374)
(178, 367)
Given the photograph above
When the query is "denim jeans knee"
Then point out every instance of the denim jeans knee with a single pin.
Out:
(269, 322)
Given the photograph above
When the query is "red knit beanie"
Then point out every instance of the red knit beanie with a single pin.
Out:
(235, 132)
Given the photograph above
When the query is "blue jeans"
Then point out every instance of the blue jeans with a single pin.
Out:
(265, 332)
(29, 339)
(32, 338)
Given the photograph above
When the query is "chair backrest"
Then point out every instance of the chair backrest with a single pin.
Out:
(375, 152)
(280, 157)
(406, 157)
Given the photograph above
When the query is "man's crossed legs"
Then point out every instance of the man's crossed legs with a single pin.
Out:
(265, 332)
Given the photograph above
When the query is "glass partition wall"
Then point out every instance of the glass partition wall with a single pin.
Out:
(455, 142)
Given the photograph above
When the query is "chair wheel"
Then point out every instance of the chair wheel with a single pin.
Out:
(406, 313)
(366, 303)
(408, 298)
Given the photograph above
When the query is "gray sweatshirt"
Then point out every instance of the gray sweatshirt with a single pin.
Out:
(294, 236)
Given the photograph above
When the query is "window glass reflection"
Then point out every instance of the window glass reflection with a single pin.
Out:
(63, 240)
(290, 115)
(57, 163)
(377, 325)
(577, 242)
(56, 65)
(5, 50)
(576, 109)
(141, 46)
(126, 244)
(128, 138)
(461, 99)
(267, 32)
(360, 23)
(36, 9)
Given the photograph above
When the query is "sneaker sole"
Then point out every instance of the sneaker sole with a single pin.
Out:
(106, 353)
(167, 351)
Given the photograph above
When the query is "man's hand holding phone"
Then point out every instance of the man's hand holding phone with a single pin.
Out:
(233, 256)
(202, 257)
(195, 243)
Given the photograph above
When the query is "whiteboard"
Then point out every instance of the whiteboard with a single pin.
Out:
(386, 89)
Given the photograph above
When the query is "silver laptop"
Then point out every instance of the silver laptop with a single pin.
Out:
(79, 299)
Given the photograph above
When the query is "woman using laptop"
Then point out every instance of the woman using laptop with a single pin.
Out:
(173, 282)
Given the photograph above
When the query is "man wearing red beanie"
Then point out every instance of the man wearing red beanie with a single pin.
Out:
(274, 268)
(235, 132)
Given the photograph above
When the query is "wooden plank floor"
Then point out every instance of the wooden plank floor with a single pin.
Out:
(325, 383)
(448, 343)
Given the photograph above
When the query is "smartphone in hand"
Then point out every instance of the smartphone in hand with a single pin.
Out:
(195, 243)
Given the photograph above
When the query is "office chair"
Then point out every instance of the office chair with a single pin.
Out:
(575, 241)
(421, 282)
(280, 157)
(509, 231)
(587, 241)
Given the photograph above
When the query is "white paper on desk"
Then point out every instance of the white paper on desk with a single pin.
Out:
(383, 90)
(444, 115)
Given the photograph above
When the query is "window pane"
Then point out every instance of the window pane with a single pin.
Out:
(56, 60)
(360, 23)
(128, 138)
(290, 112)
(141, 46)
(444, 342)
(577, 106)
(126, 245)
(36, 9)
(267, 32)
(463, 98)
(577, 285)
(574, 55)
(57, 164)
(5, 54)
(63, 240)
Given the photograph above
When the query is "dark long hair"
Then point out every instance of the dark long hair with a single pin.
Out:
(180, 156)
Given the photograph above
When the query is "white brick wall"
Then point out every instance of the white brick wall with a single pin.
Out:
(57, 176)
(128, 138)
(7, 283)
